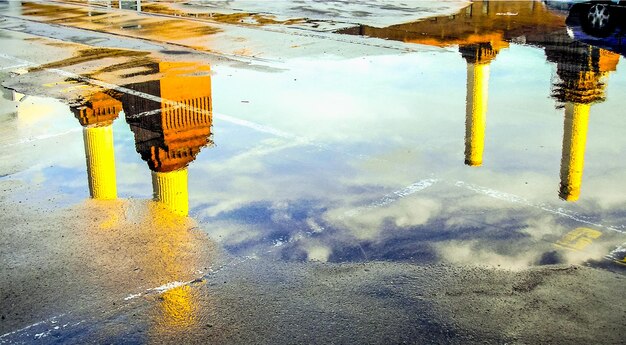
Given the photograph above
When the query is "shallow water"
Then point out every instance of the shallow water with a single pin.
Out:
(223, 183)
(462, 155)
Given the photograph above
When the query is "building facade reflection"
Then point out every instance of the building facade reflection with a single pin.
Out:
(171, 129)
(96, 116)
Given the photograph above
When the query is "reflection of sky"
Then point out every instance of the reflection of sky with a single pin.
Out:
(381, 123)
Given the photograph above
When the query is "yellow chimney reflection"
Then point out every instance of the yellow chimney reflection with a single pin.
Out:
(170, 133)
(582, 72)
(178, 305)
(170, 188)
(100, 161)
(478, 57)
(574, 139)
(96, 116)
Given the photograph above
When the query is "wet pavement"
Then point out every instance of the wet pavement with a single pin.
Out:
(235, 173)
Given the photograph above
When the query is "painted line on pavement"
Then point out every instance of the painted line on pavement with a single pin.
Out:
(14, 66)
(394, 196)
(222, 117)
(43, 137)
(618, 255)
(50, 319)
(520, 200)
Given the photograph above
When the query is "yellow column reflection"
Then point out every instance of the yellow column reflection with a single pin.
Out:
(582, 72)
(178, 306)
(96, 116)
(170, 188)
(100, 161)
(478, 57)
(476, 112)
(574, 140)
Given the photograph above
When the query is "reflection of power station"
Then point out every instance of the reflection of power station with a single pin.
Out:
(171, 129)
(97, 116)
(478, 57)
(485, 27)
(481, 21)
(581, 71)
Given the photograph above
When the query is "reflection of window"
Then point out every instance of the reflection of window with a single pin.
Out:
(485, 7)
(468, 10)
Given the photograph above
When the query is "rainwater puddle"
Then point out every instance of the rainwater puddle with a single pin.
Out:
(502, 149)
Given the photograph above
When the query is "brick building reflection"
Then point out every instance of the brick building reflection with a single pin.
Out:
(96, 116)
(497, 22)
(581, 76)
(171, 129)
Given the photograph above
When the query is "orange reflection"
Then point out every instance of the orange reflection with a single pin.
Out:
(481, 30)
(171, 129)
(493, 22)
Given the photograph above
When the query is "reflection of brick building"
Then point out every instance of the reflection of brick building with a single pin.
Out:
(171, 129)
(581, 70)
(99, 109)
(96, 115)
(496, 22)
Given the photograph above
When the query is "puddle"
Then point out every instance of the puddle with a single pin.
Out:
(150, 27)
(157, 195)
(495, 152)
(89, 55)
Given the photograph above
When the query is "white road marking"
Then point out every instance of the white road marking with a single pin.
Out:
(13, 66)
(51, 319)
(160, 289)
(132, 296)
(43, 136)
(148, 113)
(394, 196)
(221, 117)
(520, 200)
(615, 254)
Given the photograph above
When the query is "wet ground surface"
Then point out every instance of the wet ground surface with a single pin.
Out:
(235, 173)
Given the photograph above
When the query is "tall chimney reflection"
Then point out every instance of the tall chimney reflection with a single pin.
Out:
(478, 57)
(170, 188)
(170, 133)
(97, 116)
(582, 72)
(573, 156)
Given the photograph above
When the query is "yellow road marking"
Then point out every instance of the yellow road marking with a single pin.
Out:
(578, 239)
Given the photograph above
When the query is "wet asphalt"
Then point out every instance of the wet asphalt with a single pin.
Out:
(186, 173)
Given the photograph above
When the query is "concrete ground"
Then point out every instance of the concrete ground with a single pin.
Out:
(308, 172)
